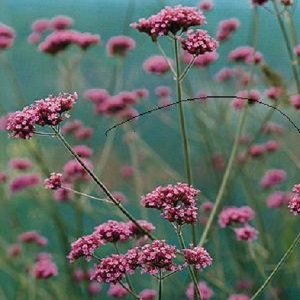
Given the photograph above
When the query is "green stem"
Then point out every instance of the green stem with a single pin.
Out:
(280, 263)
(191, 271)
(160, 286)
(225, 178)
(293, 59)
(100, 184)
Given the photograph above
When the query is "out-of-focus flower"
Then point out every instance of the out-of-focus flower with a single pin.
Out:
(295, 101)
(206, 5)
(238, 297)
(156, 64)
(61, 22)
(21, 182)
(203, 60)
(243, 97)
(20, 164)
(120, 45)
(233, 215)
(44, 267)
(246, 233)
(246, 54)
(206, 292)
(226, 29)
(272, 178)
(274, 92)
(147, 294)
(32, 237)
(94, 288)
(7, 36)
(40, 25)
(117, 291)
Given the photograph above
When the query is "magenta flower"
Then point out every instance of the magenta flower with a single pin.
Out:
(157, 65)
(232, 215)
(97, 96)
(53, 182)
(83, 151)
(44, 267)
(24, 181)
(85, 246)
(14, 250)
(32, 237)
(225, 74)
(246, 233)
(177, 203)
(73, 170)
(170, 20)
(144, 224)
(197, 256)
(295, 101)
(198, 42)
(294, 202)
(203, 60)
(246, 54)
(287, 2)
(147, 294)
(226, 29)
(206, 5)
(7, 36)
(257, 150)
(94, 288)
(61, 22)
(297, 50)
(49, 111)
(114, 231)
(256, 2)
(278, 199)
(117, 291)
(272, 127)
(20, 164)
(272, 178)
(272, 145)
(206, 292)
(40, 25)
(120, 45)
(157, 256)
(274, 92)
(246, 96)
(111, 269)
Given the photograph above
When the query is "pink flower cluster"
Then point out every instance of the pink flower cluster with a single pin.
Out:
(32, 237)
(232, 215)
(295, 101)
(49, 111)
(274, 92)
(206, 5)
(294, 203)
(272, 178)
(119, 105)
(198, 257)
(238, 297)
(226, 29)
(77, 129)
(278, 199)
(44, 267)
(198, 42)
(170, 20)
(61, 39)
(108, 232)
(7, 36)
(205, 291)
(119, 45)
(243, 97)
(53, 182)
(246, 233)
(246, 54)
(225, 74)
(157, 65)
(24, 181)
(20, 164)
(177, 202)
(259, 2)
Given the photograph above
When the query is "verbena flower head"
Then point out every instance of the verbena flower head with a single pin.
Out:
(49, 111)
(202, 60)
(205, 291)
(177, 202)
(206, 5)
(157, 256)
(170, 20)
(7, 36)
(197, 42)
(119, 45)
(111, 269)
(24, 181)
(295, 101)
(198, 257)
(44, 267)
(227, 28)
(259, 2)
(294, 203)
(84, 247)
(232, 215)
(114, 231)
(40, 25)
(243, 97)
(272, 178)
(147, 294)
(117, 291)
(246, 54)
(246, 233)
(278, 199)
(32, 237)
(20, 164)
(94, 288)
(156, 64)
(138, 232)
(53, 182)
(61, 22)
